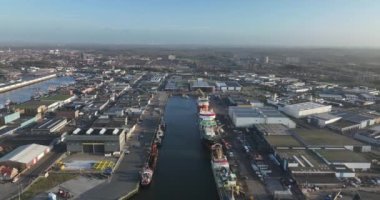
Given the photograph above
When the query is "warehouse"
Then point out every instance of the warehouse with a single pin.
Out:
(305, 109)
(369, 136)
(202, 85)
(228, 86)
(323, 119)
(221, 86)
(95, 141)
(248, 116)
(24, 156)
(352, 160)
(49, 126)
(6, 117)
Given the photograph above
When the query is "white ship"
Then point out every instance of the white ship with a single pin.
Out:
(225, 180)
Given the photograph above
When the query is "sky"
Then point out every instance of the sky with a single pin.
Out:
(321, 23)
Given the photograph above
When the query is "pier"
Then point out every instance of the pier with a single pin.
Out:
(26, 83)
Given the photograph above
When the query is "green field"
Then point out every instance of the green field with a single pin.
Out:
(324, 137)
(29, 105)
(44, 184)
(282, 141)
(343, 156)
(58, 97)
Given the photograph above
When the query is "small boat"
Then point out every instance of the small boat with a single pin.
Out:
(158, 141)
(146, 176)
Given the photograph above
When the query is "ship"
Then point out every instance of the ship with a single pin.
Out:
(208, 136)
(146, 176)
(149, 167)
(203, 103)
(207, 114)
(225, 180)
(207, 123)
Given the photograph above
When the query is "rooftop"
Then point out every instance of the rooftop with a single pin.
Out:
(25, 153)
(325, 116)
(343, 156)
(324, 137)
(57, 97)
(49, 123)
(232, 84)
(255, 112)
(97, 131)
(200, 83)
(273, 129)
(343, 124)
(307, 160)
(353, 117)
(305, 106)
(283, 141)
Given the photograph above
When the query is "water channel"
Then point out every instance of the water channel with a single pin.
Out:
(25, 93)
(183, 170)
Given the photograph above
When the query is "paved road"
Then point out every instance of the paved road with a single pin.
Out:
(126, 177)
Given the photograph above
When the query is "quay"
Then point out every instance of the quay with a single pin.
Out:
(124, 182)
(25, 83)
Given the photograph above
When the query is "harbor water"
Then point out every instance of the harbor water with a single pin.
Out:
(183, 169)
(25, 93)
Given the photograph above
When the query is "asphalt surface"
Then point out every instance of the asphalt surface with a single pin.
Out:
(126, 176)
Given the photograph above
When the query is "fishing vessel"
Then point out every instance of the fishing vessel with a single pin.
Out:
(149, 167)
(207, 114)
(203, 102)
(225, 180)
(207, 123)
(146, 176)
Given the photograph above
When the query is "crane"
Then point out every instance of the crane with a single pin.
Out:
(201, 93)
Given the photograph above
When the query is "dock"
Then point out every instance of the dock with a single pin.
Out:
(124, 182)
(25, 83)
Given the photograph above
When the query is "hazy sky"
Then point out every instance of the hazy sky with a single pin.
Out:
(215, 22)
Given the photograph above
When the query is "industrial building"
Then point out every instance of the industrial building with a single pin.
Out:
(202, 85)
(323, 119)
(95, 141)
(350, 159)
(7, 117)
(369, 136)
(24, 156)
(49, 126)
(305, 109)
(228, 86)
(361, 119)
(248, 116)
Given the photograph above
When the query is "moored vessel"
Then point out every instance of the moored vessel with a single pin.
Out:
(225, 180)
(146, 175)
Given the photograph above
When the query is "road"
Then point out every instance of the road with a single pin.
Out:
(126, 176)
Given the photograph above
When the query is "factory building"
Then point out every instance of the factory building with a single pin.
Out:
(323, 119)
(202, 85)
(228, 86)
(305, 109)
(24, 156)
(6, 117)
(49, 126)
(352, 160)
(95, 141)
(369, 136)
(248, 116)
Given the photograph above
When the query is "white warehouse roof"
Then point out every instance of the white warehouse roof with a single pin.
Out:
(305, 106)
(25, 154)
